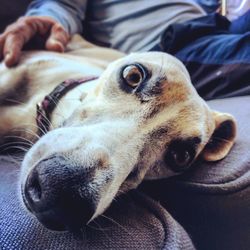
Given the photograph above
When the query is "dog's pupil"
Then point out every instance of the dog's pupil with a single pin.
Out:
(180, 153)
(182, 159)
(134, 78)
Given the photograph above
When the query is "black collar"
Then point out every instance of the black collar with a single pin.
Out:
(47, 106)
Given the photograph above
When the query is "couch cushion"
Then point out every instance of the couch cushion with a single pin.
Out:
(133, 222)
(212, 201)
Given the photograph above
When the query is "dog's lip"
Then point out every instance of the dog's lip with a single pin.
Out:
(50, 220)
(51, 223)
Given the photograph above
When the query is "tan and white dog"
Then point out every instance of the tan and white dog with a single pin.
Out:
(141, 119)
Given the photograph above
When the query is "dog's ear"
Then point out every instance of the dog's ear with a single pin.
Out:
(222, 138)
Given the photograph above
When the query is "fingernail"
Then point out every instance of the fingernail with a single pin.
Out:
(7, 56)
(7, 60)
(56, 45)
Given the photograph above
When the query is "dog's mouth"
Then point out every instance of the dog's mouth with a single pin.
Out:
(49, 221)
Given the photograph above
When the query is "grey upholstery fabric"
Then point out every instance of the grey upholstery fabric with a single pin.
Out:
(212, 201)
(133, 222)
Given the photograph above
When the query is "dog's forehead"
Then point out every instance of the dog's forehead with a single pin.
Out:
(160, 66)
(154, 60)
(154, 57)
(168, 84)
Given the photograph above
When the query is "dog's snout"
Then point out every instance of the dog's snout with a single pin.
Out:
(53, 192)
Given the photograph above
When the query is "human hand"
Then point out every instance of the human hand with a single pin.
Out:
(16, 35)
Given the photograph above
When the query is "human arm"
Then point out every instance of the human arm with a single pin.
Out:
(53, 20)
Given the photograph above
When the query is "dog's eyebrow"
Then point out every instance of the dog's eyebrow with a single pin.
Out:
(155, 109)
(151, 87)
(159, 132)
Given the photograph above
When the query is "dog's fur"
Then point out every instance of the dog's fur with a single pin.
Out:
(125, 135)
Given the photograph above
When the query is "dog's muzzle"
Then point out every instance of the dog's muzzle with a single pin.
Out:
(56, 193)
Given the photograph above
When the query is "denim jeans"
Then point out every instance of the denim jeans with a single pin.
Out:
(215, 51)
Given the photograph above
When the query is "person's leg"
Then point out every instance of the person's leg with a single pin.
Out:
(218, 61)
(219, 65)
(241, 24)
(210, 6)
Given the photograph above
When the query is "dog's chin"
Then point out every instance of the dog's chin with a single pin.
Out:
(52, 224)
(55, 226)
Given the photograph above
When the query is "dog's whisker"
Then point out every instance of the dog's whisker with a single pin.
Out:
(24, 109)
(32, 115)
(27, 124)
(49, 123)
(121, 192)
(102, 230)
(14, 147)
(15, 101)
(16, 160)
(58, 106)
(117, 223)
(42, 129)
(115, 200)
(21, 138)
(28, 131)
(15, 144)
(33, 125)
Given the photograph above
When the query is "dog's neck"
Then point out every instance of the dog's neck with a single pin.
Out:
(70, 101)
(49, 103)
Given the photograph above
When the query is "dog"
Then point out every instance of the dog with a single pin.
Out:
(134, 117)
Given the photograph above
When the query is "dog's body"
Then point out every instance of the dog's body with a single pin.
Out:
(140, 119)
(39, 73)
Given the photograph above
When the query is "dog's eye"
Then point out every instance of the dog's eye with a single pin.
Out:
(179, 160)
(133, 75)
(181, 153)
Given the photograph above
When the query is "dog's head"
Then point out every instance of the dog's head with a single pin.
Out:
(144, 120)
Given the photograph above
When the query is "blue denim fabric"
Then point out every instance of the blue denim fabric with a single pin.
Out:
(241, 25)
(215, 52)
(210, 6)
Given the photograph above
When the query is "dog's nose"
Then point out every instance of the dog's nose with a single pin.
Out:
(55, 191)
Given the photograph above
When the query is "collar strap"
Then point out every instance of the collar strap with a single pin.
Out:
(49, 103)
